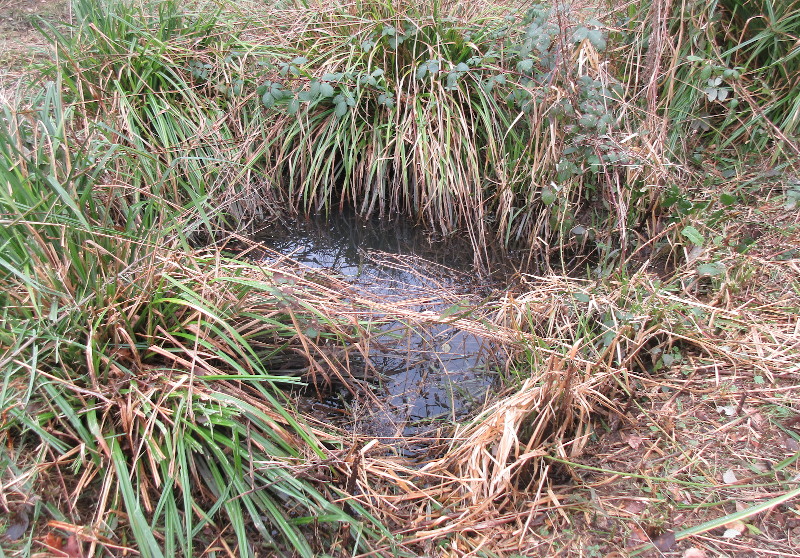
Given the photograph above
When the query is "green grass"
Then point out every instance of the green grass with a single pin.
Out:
(148, 357)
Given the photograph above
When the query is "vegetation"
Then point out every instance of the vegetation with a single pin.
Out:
(147, 360)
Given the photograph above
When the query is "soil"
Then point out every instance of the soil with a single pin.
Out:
(21, 43)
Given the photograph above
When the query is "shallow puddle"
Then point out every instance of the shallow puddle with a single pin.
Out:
(431, 377)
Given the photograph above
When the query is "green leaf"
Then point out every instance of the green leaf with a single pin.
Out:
(711, 269)
(294, 106)
(595, 37)
(525, 65)
(341, 109)
(326, 89)
(548, 196)
(693, 235)
(727, 199)
(457, 308)
(580, 34)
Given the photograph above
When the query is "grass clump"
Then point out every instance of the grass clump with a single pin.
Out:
(137, 370)
(506, 127)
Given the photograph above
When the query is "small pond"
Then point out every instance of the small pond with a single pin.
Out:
(431, 378)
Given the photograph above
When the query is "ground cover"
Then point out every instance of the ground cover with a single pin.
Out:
(646, 408)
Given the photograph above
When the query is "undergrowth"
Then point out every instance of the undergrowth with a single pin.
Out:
(144, 366)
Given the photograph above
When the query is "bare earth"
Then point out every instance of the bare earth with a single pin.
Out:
(20, 41)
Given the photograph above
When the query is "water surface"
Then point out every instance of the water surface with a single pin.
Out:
(430, 378)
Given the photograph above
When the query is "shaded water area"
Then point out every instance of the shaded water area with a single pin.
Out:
(429, 377)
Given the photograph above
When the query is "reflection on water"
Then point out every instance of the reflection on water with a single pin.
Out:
(429, 376)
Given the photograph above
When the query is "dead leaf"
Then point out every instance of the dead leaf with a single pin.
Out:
(665, 541)
(740, 506)
(635, 507)
(727, 410)
(731, 534)
(729, 477)
(737, 525)
(633, 440)
(757, 420)
(694, 553)
(72, 547)
(53, 542)
(638, 536)
(18, 523)
(791, 444)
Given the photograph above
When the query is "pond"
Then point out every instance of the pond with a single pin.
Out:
(430, 377)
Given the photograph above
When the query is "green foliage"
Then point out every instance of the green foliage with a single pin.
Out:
(738, 74)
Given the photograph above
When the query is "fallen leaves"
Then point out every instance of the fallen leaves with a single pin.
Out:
(665, 541)
(66, 548)
(18, 522)
(729, 477)
(734, 529)
(633, 440)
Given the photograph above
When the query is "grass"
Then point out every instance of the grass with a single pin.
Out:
(145, 398)
(147, 357)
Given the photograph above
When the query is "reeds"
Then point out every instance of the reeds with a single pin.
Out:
(458, 118)
(125, 354)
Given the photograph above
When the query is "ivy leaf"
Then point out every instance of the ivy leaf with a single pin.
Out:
(693, 235)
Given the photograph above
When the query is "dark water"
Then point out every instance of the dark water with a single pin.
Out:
(431, 377)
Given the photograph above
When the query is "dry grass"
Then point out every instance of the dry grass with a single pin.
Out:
(599, 451)
(598, 444)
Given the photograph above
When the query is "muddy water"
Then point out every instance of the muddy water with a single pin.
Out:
(430, 378)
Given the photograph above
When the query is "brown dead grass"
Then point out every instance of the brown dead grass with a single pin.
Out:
(604, 455)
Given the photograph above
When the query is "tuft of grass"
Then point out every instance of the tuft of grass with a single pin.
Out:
(129, 360)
